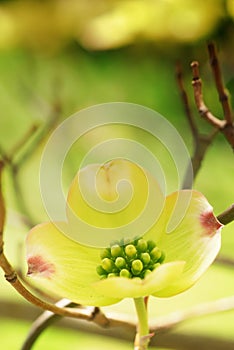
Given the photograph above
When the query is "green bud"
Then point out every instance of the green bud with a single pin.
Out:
(137, 267)
(108, 265)
(116, 251)
(125, 273)
(110, 275)
(155, 254)
(120, 263)
(142, 245)
(100, 270)
(156, 265)
(135, 258)
(162, 257)
(147, 272)
(145, 258)
(130, 251)
(103, 277)
(105, 253)
(151, 245)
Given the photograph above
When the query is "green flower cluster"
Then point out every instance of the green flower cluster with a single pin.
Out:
(132, 259)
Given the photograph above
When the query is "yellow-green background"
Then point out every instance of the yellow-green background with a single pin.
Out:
(47, 54)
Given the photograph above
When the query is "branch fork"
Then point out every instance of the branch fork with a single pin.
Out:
(226, 125)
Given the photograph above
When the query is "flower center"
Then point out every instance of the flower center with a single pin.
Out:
(133, 259)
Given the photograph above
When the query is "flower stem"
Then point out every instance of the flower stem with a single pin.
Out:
(142, 336)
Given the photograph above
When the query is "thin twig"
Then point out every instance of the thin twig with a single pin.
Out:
(21, 143)
(201, 106)
(201, 142)
(185, 101)
(2, 207)
(225, 260)
(222, 92)
(42, 322)
(40, 135)
(226, 126)
(21, 203)
(227, 216)
(204, 141)
(4, 157)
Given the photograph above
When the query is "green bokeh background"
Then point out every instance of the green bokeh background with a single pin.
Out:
(34, 75)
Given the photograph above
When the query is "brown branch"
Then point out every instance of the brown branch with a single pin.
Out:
(2, 207)
(226, 126)
(185, 101)
(201, 146)
(202, 108)
(45, 320)
(222, 92)
(227, 216)
(201, 142)
(225, 260)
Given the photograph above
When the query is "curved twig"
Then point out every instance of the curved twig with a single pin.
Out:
(226, 126)
(201, 141)
(42, 322)
(222, 92)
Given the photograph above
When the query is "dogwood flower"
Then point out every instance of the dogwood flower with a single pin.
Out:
(163, 256)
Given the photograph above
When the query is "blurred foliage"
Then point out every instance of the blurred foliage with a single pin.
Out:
(104, 24)
(32, 82)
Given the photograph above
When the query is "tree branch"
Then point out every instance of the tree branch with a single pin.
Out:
(42, 322)
(22, 142)
(201, 106)
(222, 92)
(225, 260)
(226, 125)
(227, 216)
(2, 207)
(185, 101)
(201, 142)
